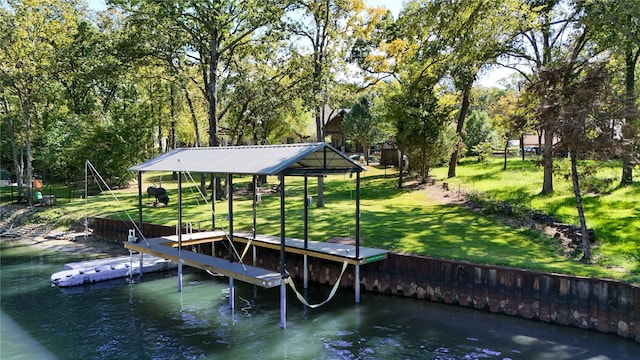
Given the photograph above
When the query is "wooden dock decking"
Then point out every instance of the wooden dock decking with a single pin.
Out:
(167, 247)
(317, 249)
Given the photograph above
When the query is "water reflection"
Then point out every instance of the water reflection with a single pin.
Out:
(149, 319)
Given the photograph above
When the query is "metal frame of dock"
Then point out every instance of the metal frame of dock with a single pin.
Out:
(306, 160)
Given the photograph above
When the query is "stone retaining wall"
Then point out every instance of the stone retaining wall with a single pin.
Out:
(603, 305)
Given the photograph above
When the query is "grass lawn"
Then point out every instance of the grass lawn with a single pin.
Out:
(612, 211)
(404, 220)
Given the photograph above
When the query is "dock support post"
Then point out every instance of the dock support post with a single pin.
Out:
(140, 225)
(306, 271)
(231, 254)
(179, 230)
(306, 231)
(356, 284)
(283, 262)
(255, 255)
(255, 217)
(180, 276)
(141, 262)
(283, 304)
(130, 267)
(232, 294)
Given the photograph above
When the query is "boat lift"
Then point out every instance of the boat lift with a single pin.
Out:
(308, 159)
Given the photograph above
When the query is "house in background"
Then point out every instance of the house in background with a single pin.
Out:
(332, 120)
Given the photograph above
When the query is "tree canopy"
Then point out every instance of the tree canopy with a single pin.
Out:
(141, 77)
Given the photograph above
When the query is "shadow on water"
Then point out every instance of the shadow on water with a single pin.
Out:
(149, 319)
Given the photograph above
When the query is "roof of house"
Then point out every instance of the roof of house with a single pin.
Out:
(290, 159)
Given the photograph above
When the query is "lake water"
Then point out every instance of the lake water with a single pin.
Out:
(151, 320)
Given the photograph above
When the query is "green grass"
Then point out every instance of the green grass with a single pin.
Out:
(612, 211)
(404, 220)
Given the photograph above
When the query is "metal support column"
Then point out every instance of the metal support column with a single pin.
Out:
(231, 254)
(356, 284)
(255, 213)
(140, 203)
(139, 218)
(283, 271)
(306, 231)
(179, 231)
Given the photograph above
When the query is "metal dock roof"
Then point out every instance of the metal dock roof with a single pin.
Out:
(290, 159)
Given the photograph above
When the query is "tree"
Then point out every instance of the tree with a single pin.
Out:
(262, 96)
(474, 34)
(422, 124)
(361, 125)
(616, 26)
(214, 32)
(577, 97)
(325, 25)
(478, 129)
(510, 119)
(550, 32)
(30, 33)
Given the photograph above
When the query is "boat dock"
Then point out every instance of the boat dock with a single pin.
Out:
(306, 160)
(167, 247)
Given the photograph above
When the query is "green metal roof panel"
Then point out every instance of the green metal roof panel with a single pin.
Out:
(291, 159)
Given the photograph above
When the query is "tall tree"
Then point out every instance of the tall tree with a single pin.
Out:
(616, 25)
(361, 125)
(322, 26)
(550, 31)
(422, 123)
(30, 33)
(215, 30)
(472, 34)
(577, 97)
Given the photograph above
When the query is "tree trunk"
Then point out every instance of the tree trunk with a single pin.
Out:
(214, 57)
(506, 147)
(586, 245)
(27, 119)
(173, 143)
(194, 119)
(17, 165)
(367, 150)
(547, 162)
(630, 78)
(401, 167)
(203, 185)
(152, 110)
(466, 93)
(522, 145)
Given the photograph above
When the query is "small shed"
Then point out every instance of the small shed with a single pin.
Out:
(389, 154)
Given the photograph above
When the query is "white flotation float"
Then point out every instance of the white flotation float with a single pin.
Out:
(92, 271)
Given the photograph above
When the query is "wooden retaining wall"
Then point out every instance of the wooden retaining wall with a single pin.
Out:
(594, 304)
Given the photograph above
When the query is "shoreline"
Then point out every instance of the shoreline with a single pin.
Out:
(16, 231)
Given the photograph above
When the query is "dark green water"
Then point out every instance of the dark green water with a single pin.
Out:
(151, 320)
